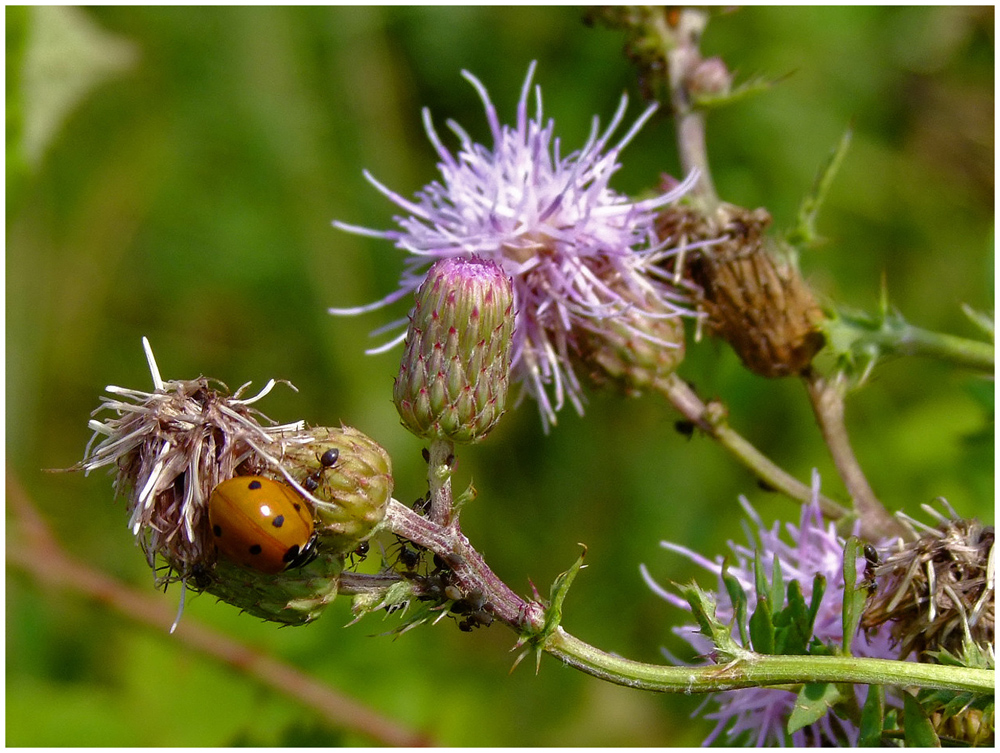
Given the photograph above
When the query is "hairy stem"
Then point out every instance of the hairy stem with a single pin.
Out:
(756, 670)
(439, 480)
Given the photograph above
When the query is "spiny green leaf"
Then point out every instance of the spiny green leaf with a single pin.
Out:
(871, 718)
(738, 597)
(703, 609)
(560, 587)
(762, 628)
(744, 90)
(804, 234)
(918, 732)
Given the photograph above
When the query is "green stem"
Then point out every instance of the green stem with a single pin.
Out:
(439, 480)
(756, 670)
(711, 419)
(914, 341)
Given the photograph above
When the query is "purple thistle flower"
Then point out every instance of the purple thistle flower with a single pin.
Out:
(760, 715)
(578, 252)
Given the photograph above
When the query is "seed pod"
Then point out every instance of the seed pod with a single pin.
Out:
(755, 301)
(454, 374)
(356, 485)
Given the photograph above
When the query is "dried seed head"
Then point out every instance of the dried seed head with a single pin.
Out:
(455, 370)
(171, 448)
(936, 587)
(756, 302)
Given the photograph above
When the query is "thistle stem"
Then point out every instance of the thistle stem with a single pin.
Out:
(757, 670)
(711, 419)
(439, 480)
(973, 354)
(827, 398)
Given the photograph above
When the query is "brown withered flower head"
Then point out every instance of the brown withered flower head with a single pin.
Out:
(753, 299)
(935, 587)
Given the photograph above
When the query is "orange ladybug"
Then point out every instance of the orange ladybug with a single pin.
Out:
(262, 524)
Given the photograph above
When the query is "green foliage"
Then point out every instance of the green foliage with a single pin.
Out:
(189, 199)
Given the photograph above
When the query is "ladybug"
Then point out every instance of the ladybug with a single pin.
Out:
(262, 524)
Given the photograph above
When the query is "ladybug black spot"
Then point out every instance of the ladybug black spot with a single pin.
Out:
(255, 549)
(217, 530)
(279, 521)
(254, 484)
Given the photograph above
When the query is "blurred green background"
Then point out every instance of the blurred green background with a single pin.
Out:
(173, 173)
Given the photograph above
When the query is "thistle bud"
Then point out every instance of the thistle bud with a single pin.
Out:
(350, 474)
(454, 374)
(634, 349)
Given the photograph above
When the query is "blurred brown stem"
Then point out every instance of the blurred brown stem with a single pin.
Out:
(827, 398)
(33, 549)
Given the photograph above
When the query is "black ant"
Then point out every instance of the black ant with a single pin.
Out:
(326, 461)
(408, 558)
(685, 428)
(360, 551)
(871, 562)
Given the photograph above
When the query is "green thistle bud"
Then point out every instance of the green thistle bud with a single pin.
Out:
(634, 349)
(349, 471)
(293, 597)
(454, 374)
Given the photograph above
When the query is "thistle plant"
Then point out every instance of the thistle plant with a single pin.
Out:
(856, 626)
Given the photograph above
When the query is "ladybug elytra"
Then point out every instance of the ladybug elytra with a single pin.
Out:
(261, 523)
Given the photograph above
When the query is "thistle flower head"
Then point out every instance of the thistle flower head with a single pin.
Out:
(759, 716)
(580, 254)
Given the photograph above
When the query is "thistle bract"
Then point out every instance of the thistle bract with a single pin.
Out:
(454, 374)
(350, 476)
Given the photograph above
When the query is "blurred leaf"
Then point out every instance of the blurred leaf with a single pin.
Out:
(918, 732)
(872, 714)
(66, 57)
